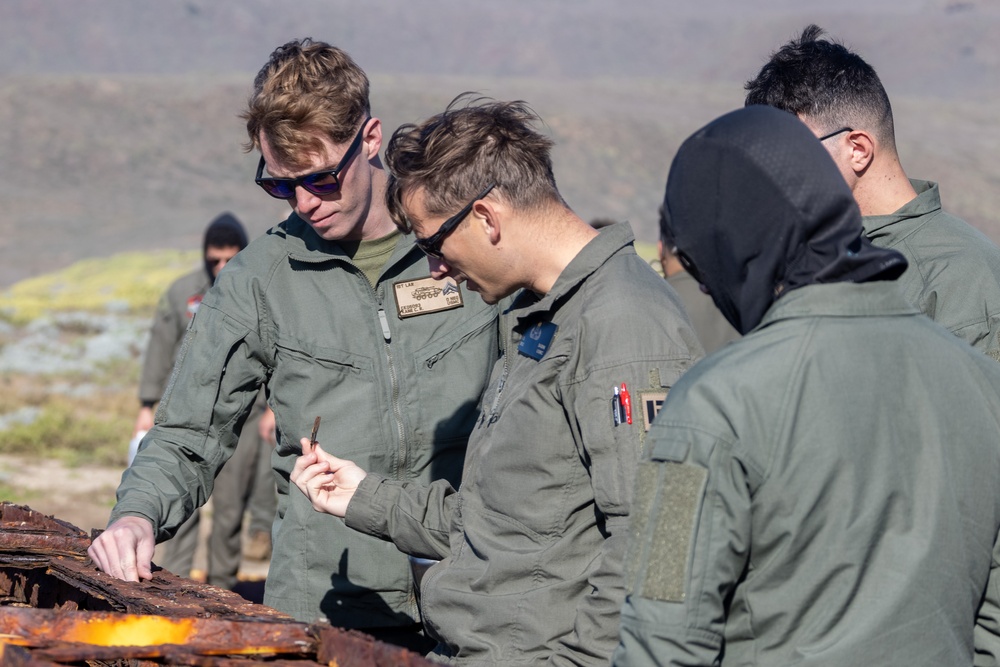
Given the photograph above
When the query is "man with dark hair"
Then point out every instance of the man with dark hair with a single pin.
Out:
(823, 490)
(532, 542)
(334, 309)
(245, 484)
(954, 274)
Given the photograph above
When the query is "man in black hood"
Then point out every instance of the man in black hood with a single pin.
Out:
(822, 491)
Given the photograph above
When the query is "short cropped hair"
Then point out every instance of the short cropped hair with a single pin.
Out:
(828, 84)
(475, 142)
(307, 89)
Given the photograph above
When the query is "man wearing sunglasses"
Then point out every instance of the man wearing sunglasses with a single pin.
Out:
(533, 541)
(954, 273)
(337, 312)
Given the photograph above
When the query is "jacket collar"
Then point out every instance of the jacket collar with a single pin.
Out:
(928, 200)
(528, 305)
(881, 298)
(305, 245)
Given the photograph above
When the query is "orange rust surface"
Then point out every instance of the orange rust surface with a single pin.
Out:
(56, 608)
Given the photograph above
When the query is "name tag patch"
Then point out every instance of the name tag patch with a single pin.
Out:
(426, 295)
(537, 340)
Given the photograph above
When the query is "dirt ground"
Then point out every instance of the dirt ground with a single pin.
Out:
(84, 496)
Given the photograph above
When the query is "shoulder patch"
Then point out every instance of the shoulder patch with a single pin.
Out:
(537, 340)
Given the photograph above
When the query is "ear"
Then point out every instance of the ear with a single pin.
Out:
(373, 138)
(488, 215)
(861, 150)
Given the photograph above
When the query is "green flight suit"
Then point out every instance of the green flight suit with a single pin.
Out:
(396, 394)
(533, 542)
(822, 492)
(954, 273)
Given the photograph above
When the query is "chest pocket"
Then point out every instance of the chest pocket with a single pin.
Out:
(337, 385)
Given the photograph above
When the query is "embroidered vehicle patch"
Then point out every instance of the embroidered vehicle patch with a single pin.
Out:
(426, 295)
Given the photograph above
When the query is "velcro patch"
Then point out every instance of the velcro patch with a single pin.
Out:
(670, 494)
(426, 295)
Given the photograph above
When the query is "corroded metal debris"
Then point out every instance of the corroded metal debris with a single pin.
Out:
(56, 608)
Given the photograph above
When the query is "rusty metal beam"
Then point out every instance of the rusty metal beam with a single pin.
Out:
(53, 602)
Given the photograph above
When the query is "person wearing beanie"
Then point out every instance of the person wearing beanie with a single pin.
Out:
(821, 491)
(246, 483)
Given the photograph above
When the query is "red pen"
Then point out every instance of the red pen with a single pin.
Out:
(626, 403)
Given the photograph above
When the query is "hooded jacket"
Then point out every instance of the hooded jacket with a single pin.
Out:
(823, 490)
(758, 207)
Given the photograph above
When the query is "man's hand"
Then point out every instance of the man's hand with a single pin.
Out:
(266, 427)
(144, 421)
(328, 482)
(125, 549)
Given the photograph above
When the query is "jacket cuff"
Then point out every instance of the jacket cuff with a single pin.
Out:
(364, 512)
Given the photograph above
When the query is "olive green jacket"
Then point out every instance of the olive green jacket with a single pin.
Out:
(397, 395)
(954, 272)
(822, 492)
(174, 312)
(533, 541)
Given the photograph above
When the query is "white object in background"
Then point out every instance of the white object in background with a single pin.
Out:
(133, 445)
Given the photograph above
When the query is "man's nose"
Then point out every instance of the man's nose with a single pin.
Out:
(304, 200)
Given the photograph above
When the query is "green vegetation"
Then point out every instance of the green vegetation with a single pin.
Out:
(73, 427)
(16, 495)
(89, 417)
(131, 282)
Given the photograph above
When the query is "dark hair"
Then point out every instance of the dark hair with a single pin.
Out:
(306, 88)
(825, 82)
(453, 155)
(666, 234)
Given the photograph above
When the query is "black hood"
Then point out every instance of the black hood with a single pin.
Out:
(758, 207)
(223, 232)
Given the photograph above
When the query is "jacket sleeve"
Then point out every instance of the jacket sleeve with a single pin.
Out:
(689, 548)
(214, 385)
(416, 518)
(612, 453)
(165, 337)
(987, 630)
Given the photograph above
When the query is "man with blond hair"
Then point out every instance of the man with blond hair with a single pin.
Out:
(336, 311)
(532, 543)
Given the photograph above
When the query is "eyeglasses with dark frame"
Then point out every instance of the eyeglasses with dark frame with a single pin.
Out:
(318, 183)
(432, 244)
(836, 132)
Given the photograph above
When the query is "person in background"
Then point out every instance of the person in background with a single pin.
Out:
(245, 485)
(823, 490)
(954, 274)
(336, 311)
(532, 542)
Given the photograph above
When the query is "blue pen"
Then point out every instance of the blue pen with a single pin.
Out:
(616, 407)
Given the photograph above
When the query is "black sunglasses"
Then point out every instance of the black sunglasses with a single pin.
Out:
(836, 132)
(318, 183)
(432, 244)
